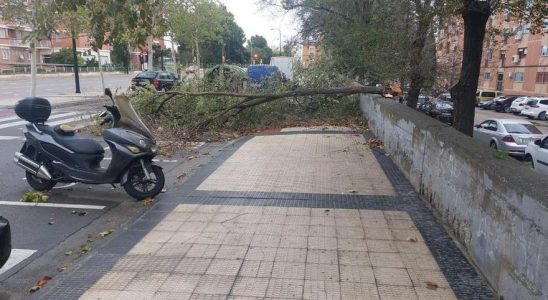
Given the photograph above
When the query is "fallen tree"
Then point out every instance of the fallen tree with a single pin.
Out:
(254, 99)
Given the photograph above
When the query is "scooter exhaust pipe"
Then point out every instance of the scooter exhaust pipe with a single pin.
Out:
(30, 165)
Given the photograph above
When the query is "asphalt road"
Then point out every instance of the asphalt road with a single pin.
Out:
(63, 84)
(43, 235)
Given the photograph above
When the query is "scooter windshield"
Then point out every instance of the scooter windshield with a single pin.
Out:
(129, 119)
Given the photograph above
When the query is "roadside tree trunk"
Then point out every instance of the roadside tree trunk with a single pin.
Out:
(33, 68)
(101, 71)
(150, 63)
(475, 15)
(416, 72)
(75, 57)
(197, 45)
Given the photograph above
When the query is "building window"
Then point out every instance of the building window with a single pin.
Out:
(490, 55)
(542, 77)
(544, 50)
(518, 76)
(545, 25)
(5, 54)
(522, 52)
(3, 33)
(487, 76)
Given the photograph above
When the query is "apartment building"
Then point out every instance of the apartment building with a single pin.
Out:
(310, 52)
(14, 50)
(514, 61)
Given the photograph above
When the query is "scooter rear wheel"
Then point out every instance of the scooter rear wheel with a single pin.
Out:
(139, 187)
(39, 184)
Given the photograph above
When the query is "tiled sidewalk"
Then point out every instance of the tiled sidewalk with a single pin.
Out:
(297, 215)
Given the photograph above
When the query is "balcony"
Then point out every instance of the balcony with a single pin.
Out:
(26, 44)
(43, 44)
(19, 43)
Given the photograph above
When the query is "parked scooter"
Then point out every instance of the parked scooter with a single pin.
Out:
(57, 154)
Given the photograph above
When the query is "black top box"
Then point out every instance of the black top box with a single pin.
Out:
(33, 109)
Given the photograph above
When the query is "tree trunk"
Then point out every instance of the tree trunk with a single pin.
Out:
(197, 45)
(475, 16)
(33, 68)
(101, 70)
(75, 57)
(174, 57)
(150, 54)
(416, 77)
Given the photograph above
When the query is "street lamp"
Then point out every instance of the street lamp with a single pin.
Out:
(280, 31)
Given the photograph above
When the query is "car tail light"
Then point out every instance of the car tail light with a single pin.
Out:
(508, 139)
(155, 82)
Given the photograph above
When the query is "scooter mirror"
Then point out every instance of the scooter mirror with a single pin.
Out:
(109, 94)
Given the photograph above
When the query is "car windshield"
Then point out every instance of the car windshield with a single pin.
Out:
(147, 74)
(521, 128)
(129, 119)
(532, 102)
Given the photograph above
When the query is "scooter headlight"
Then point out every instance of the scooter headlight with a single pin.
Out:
(145, 144)
(133, 149)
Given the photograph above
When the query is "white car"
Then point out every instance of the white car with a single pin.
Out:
(536, 108)
(518, 105)
(537, 154)
(510, 135)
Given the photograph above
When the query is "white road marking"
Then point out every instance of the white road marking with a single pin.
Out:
(11, 138)
(13, 124)
(65, 121)
(17, 256)
(58, 205)
(9, 119)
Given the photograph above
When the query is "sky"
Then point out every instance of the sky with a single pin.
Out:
(254, 20)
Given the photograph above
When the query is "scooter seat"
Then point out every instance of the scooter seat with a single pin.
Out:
(75, 143)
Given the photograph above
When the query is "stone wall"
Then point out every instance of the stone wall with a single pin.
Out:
(496, 208)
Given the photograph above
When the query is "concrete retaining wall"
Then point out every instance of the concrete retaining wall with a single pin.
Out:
(496, 208)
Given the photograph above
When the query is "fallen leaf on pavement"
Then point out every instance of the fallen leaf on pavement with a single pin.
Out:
(106, 233)
(85, 248)
(40, 283)
(431, 285)
(62, 268)
(353, 192)
(163, 191)
(68, 253)
(412, 239)
(148, 202)
(181, 176)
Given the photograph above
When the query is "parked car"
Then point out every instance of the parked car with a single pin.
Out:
(487, 105)
(446, 96)
(536, 108)
(537, 154)
(504, 104)
(5, 241)
(518, 105)
(261, 74)
(486, 95)
(511, 135)
(161, 80)
(440, 110)
(235, 76)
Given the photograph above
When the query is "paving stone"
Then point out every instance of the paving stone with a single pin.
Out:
(202, 251)
(94, 294)
(359, 291)
(383, 246)
(396, 215)
(238, 239)
(192, 265)
(200, 217)
(193, 226)
(291, 255)
(215, 284)
(145, 248)
(406, 234)
(363, 274)
(396, 292)
(261, 253)
(285, 288)
(298, 211)
(224, 267)
(297, 220)
(419, 261)
(354, 258)
(177, 216)
(196, 296)
(322, 243)
(412, 247)
(421, 277)
(351, 244)
(378, 234)
(210, 238)
(180, 283)
(350, 232)
(162, 263)
(167, 225)
(322, 220)
(322, 272)
(272, 219)
(132, 295)
(392, 276)
(114, 280)
(147, 281)
(321, 290)
(173, 249)
(348, 221)
(171, 296)
(256, 268)
(269, 229)
(217, 227)
(324, 231)
(132, 263)
(390, 260)
(186, 208)
(231, 252)
(223, 217)
(181, 237)
(156, 236)
(300, 230)
(282, 269)
(320, 256)
(293, 241)
(435, 294)
(250, 286)
(263, 240)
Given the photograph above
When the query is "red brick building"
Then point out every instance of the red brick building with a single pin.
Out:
(515, 61)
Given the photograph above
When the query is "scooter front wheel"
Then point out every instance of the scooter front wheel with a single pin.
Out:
(139, 187)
